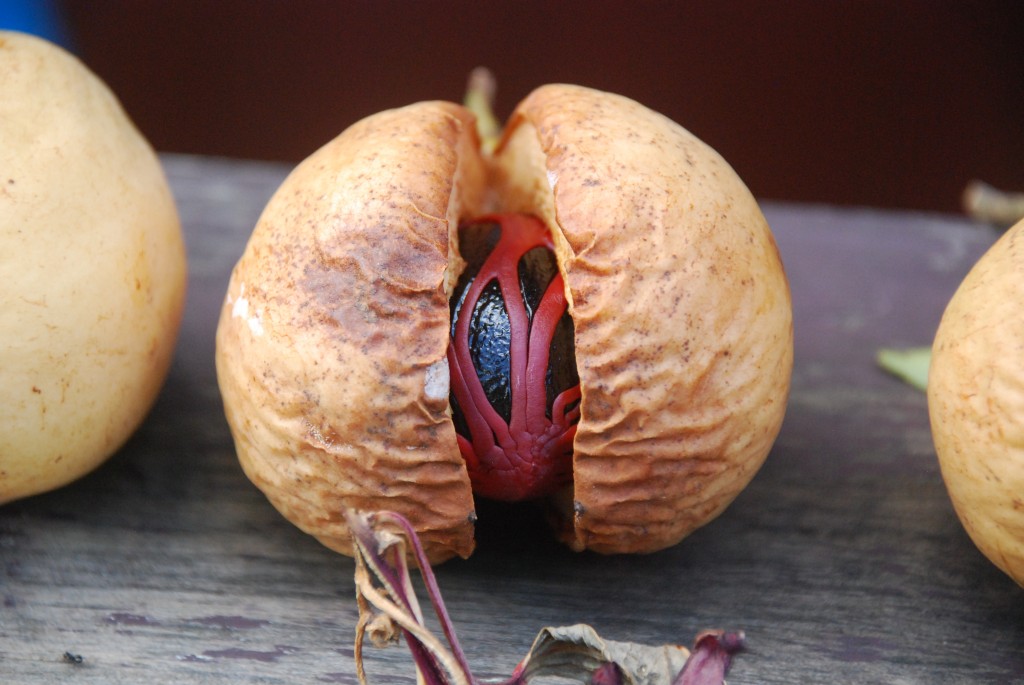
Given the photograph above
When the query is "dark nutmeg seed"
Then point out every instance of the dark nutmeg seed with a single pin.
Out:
(515, 389)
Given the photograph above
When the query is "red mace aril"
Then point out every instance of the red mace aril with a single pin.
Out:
(515, 390)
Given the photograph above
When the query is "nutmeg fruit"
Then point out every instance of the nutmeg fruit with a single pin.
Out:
(976, 402)
(337, 352)
(92, 270)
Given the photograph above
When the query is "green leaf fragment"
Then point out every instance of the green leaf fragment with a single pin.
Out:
(908, 364)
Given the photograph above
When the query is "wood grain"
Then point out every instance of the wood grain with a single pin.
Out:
(843, 561)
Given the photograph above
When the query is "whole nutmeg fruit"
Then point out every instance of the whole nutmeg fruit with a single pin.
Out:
(92, 270)
(976, 402)
(594, 315)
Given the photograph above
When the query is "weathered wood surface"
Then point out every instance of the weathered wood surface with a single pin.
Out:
(843, 561)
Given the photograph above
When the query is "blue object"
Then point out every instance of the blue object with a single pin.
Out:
(39, 17)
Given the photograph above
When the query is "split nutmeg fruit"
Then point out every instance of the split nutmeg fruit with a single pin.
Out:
(594, 315)
(976, 402)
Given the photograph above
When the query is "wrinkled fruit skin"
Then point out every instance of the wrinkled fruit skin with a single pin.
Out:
(333, 343)
(92, 270)
(976, 402)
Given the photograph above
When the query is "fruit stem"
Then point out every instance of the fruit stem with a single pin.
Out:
(479, 99)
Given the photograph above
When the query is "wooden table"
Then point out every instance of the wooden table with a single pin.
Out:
(843, 560)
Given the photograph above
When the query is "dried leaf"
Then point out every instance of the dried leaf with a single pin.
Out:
(385, 542)
(383, 586)
(712, 654)
(577, 651)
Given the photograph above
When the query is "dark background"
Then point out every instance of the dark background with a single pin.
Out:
(867, 102)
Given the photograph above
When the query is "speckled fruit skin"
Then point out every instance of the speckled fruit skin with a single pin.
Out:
(92, 270)
(332, 341)
(976, 402)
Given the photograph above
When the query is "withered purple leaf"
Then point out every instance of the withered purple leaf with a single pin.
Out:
(712, 654)
(385, 542)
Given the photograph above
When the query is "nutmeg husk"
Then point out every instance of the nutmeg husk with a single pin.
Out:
(331, 344)
(976, 402)
(92, 270)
